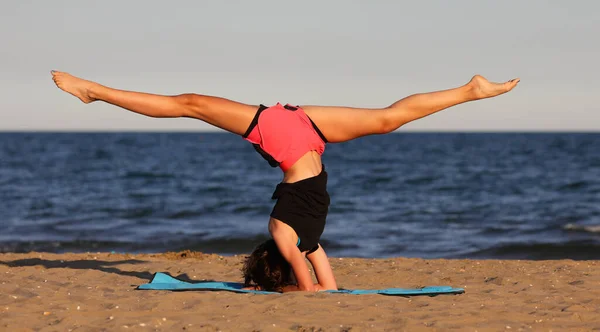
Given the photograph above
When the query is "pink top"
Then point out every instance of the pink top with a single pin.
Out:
(285, 133)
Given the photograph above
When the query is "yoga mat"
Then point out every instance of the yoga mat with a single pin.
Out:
(162, 281)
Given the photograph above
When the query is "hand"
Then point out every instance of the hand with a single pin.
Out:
(257, 288)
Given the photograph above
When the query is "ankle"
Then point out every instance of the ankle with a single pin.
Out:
(469, 92)
(92, 90)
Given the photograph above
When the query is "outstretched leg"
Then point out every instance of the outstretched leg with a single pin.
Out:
(223, 113)
(340, 124)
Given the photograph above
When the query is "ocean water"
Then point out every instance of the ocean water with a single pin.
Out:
(430, 195)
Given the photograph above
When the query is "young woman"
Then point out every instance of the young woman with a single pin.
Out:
(293, 138)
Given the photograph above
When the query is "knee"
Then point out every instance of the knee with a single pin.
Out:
(192, 104)
(386, 122)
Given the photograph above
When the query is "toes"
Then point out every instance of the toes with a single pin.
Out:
(511, 84)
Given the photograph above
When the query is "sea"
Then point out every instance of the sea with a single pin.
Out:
(430, 195)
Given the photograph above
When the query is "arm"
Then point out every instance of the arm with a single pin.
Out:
(320, 263)
(285, 243)
(325, 277)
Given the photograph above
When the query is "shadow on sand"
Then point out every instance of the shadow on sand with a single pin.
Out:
(93, 264)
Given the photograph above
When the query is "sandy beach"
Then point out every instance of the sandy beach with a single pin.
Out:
(97, 291)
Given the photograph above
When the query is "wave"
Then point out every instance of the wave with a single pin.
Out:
(576, 250)
(69, 246)
(582, 228)
(573, 186)
(185, 214)
(223, 246)
(146, 175)
(421, 180)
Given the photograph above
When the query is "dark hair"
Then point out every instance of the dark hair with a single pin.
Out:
(266, 268)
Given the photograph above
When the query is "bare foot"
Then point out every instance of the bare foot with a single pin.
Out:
(482, 88)
(78, 87)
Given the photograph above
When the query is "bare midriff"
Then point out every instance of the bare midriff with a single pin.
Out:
(309, 165)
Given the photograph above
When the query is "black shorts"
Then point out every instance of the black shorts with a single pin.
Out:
(303, 205)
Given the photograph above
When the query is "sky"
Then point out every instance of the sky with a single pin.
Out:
(323, 52)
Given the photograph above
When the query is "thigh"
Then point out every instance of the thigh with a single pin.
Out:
(340, 124)
(223, 113)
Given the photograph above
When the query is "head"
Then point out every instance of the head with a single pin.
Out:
(267, 268)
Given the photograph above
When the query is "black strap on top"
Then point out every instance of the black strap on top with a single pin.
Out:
(317, 130)
(294, 108)
(254, 120)
(265, 155)
(287, 107)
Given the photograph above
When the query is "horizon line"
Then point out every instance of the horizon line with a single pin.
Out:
(219, 131)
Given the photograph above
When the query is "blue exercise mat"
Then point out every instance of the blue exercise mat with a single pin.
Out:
(163, 281)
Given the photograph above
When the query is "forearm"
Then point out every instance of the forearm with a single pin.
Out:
(321, 288)
(290, 288)
(316, 288)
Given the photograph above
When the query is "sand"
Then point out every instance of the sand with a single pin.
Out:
(96, 291)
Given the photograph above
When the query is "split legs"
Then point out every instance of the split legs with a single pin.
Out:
(338, 124)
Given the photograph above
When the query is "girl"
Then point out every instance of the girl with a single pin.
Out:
(292, 138)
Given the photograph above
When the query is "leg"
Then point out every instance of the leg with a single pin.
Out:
(340, 124)
(223, 113)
